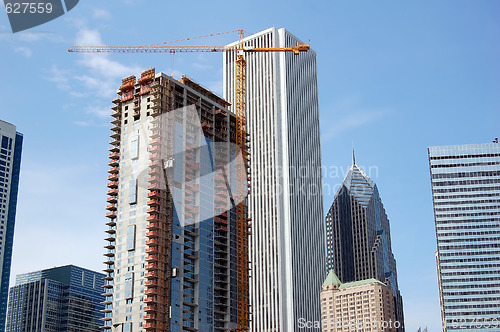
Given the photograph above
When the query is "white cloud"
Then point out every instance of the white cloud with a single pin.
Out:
(30, 36)
(60, 77)
(101, 14)
(103, 74)
(100, 112)
(349, 116)
(23, 50)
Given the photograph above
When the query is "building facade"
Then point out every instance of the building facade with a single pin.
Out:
(358, 236)
(365, 305)
(66, 298)
(285, 203)
(172, 236)
(10, 164)
(466, 193)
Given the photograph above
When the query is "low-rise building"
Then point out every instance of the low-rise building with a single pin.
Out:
(363, 306)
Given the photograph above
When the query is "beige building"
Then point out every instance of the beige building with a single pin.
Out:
(361, 306)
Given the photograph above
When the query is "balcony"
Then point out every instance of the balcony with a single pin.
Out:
(153, 217)
(150, 308)
(114, 155)
(153, 234)
(155, 141)
(155, 179)
(154, 194)
(149, 326)
(113, 162)
(151, 283)
(112, 184)
(111, 230)
(157, 163)
(152, 242)
(109, 261)
(220, 220)
(113, 177)
(113, 192)
(114, 170)
(114, 148)
(154, 171)
(153, 202)
(152, 258)
(151, 275)
(153, 250)
(110, 239)
(111, 207)
(153, 226)
(111, 214)
(150, 317)
(151, 291)
(150, 299)
(152, 266)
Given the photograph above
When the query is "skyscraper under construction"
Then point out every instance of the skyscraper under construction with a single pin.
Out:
(172, 247)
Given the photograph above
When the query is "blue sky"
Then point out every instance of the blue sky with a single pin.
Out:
(394, 78)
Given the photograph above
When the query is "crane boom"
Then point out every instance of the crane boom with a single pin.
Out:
(183, 49)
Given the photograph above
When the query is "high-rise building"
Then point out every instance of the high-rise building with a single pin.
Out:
(66, 298)
(172, 237)
(358, 236)
(466, 193)
(286, 254)
(10, 164)
(364, 305)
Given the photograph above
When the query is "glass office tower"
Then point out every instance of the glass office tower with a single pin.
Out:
(466, 193)
(359, 237)
(10, 164)
(66, 298)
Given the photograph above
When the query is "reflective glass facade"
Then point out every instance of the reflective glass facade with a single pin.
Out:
(466, 193)
(66, 298)
(358, 236)
(10, 163)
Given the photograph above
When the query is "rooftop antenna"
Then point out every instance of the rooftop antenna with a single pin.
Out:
(353, 157)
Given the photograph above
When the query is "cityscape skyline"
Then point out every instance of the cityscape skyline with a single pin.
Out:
(455, 84)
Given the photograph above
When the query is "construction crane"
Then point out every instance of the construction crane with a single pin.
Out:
(241, 138)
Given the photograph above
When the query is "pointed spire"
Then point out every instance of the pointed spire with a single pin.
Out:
(353, 156)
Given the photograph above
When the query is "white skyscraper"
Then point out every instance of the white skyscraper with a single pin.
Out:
(287, 244)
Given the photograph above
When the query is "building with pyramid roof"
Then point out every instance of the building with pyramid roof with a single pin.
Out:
(358, 235)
